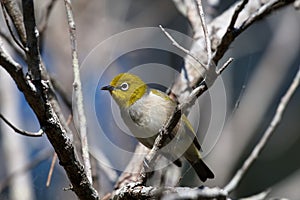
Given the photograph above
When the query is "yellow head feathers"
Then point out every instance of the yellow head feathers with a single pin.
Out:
(126, 89)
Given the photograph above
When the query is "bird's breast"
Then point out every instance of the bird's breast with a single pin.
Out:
(146, 116)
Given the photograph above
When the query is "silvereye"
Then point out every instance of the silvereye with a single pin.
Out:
(145, 111)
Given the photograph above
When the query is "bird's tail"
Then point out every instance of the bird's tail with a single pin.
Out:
(202, 170)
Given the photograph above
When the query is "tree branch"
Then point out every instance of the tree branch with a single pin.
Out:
(14, 12)
(10, 29)
(33, 52)
(266, 136)
(53, 128)
(221, 37)
(175, 43)
(78, 92)
(41, 99)
(205, 31)
(232, 33)
(132, 192)
(13, 45)
(239, 14)
(236, 13)
(54, 158)
(22, 132)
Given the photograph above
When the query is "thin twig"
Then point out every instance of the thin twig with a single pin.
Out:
(13, 45)
(205, 31)
(181, 47)
(267, 134)
(78, 91)
(236, 13)
(15, 14)
(266, 8)
(54, 158)
(260, 196)
(231, 34)
(225, 65)
(211, 74)
(10, 29)
(210, 69)
(22, 132)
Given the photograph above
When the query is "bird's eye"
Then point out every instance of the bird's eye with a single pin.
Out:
(124, 86)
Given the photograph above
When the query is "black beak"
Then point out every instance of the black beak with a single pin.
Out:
(108, 87)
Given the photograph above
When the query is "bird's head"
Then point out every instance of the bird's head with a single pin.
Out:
(126, 89)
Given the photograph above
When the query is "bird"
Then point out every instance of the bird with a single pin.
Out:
(145, 110)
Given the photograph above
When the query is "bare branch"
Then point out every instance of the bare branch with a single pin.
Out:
(221, 38)
(13, 45)
(78, 92)
(231, 34)
(260, 196)
(270, 6)
(225, 65)
(22, 132)
(42, 101)
(33, 52)
(9, 27)
(133, 191)
(15, 14)
(205, 31)
(266, 136)
(181, 47)
(13, 68)
(54, 157)
(236, 13)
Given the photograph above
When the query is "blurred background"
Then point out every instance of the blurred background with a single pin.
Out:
(267, 57)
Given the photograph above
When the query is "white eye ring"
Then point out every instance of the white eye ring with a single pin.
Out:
(124, 86)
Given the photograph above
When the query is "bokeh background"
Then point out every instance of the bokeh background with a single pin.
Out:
(267, 56)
